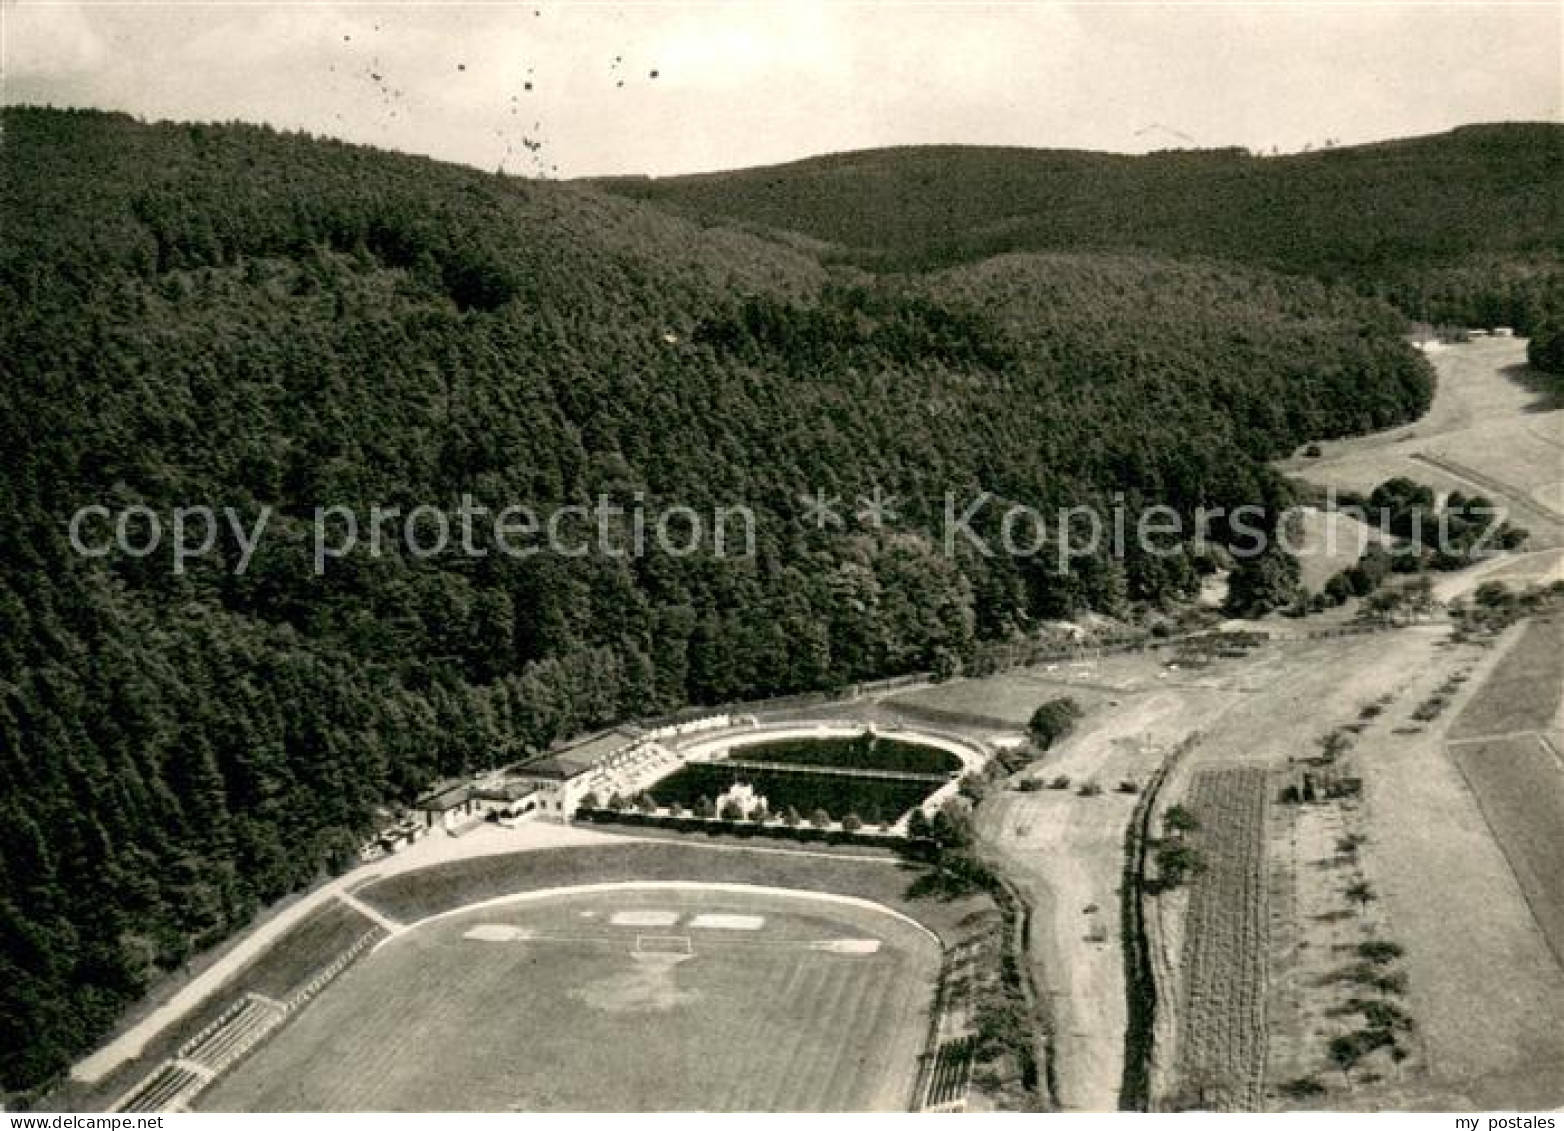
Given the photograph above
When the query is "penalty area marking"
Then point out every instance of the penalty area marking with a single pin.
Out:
(643, 918)
(494, 932)
(847, 946)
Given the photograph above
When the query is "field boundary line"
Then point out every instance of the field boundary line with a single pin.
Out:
(1517, 497)
(1502, 736)
(1547, 745)
(665, 885)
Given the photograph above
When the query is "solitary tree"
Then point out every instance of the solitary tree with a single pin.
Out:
(1361, 893)
(1053, 721)
(1179, 820)
(1345, 1052)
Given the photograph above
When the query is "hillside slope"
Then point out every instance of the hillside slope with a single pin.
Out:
(1463, 226)
(227, 316)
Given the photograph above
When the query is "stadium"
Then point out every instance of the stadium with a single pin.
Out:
(604, 971)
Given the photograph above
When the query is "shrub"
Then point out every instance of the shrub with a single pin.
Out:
(1089, 789)
(1176, 862)
(1052, 721)
(1060, 782)
(1302, 1088)
(852, 822)
(820, 819)
(1380, 951)
(1180, 820)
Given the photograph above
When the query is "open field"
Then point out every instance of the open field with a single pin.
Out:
(1484, 987)
(1489, 431)
(1519, 783)
(1064, 851)
(1525, 691)
(1006, 700)
(1429, 855)
(621, 1001)
(1222, 1038)
(1327, 542)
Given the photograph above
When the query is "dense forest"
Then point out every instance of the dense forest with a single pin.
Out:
(234, 317)
(1465, 227)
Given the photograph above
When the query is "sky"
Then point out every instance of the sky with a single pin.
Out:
(573, 88)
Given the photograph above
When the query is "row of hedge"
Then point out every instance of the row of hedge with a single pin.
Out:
(745, 830)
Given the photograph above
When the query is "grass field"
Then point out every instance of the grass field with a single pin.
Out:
(1501, 746)
(1004, 700)
(866, 752)
(445, 887)
(1524, 691)
(597, 1002)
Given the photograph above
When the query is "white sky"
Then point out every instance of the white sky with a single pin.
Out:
(752, 83)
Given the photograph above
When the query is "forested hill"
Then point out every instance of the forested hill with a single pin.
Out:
(232, 317)
(1466, 226)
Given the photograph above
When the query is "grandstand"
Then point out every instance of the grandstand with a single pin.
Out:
(948, 1078)
(945, 1070)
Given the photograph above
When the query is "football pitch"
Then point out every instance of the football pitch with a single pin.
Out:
(631, 1000)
